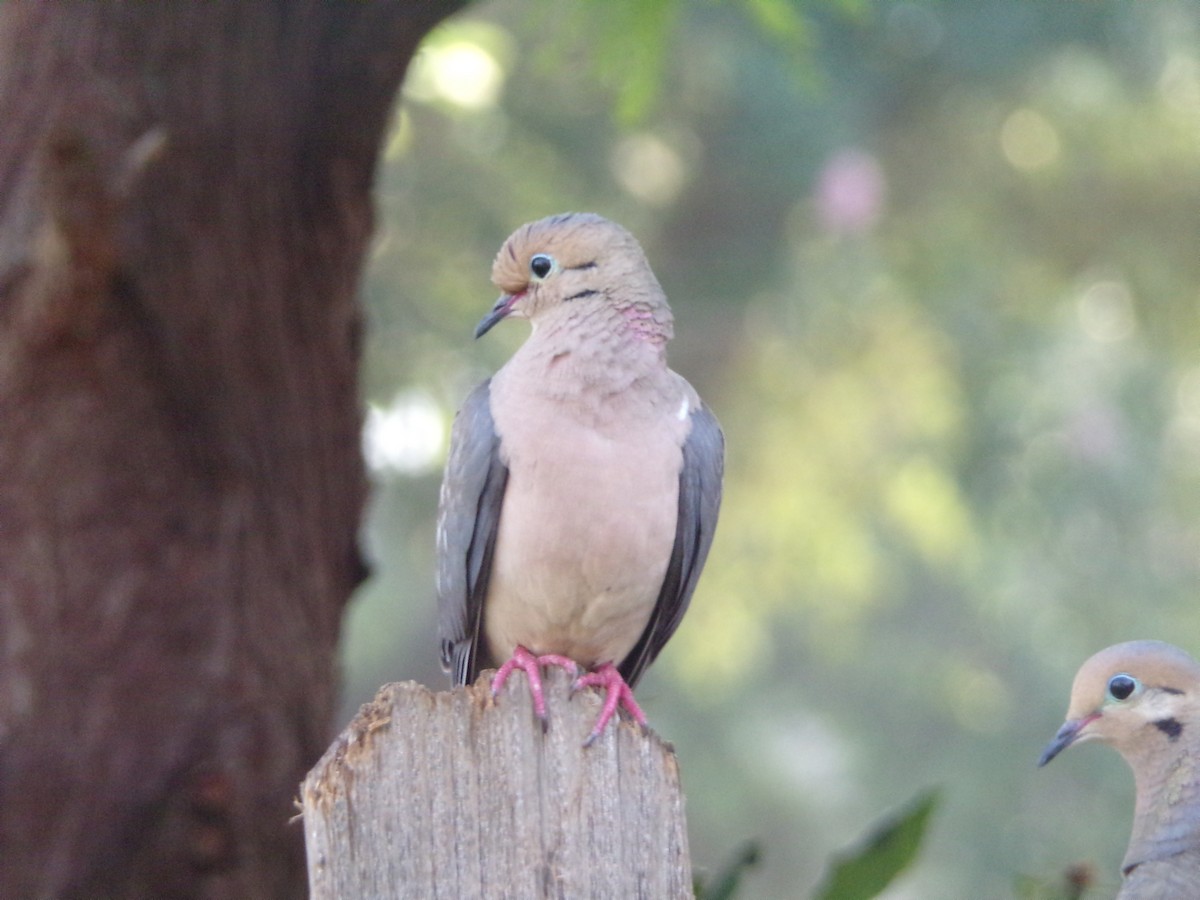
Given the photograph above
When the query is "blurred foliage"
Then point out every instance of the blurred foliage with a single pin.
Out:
(725, 883)
(887, 851)
(934, 265)
(627, 41)
(1073, 884)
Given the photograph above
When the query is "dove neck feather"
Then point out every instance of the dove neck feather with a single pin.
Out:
(1167, 814)
(600, 341)
(601, 347)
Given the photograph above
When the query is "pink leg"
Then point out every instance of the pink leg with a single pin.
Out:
(616, 693)
(532, 667)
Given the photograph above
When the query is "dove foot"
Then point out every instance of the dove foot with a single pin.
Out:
(616, 694)
(532, 667)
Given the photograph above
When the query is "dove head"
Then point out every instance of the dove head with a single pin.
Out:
(1139, 697)
(578, 267)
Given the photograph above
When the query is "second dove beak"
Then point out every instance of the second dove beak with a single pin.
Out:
(1066, 736)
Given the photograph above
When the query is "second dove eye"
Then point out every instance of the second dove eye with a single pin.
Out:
(1121, 687)
(541, 265)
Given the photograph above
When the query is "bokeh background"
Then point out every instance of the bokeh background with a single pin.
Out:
(936, 267)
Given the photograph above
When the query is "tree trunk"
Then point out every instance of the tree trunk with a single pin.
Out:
(453, 796)
(184, 208)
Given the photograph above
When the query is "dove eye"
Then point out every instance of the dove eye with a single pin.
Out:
(541, 265)
(1122, 687)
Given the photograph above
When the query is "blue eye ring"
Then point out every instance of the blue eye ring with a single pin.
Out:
(541, 265)
(1122, 687)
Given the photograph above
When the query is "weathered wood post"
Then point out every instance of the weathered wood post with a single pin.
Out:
(450, 795)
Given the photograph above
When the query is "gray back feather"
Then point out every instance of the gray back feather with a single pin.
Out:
(468, 520)
(699, 502)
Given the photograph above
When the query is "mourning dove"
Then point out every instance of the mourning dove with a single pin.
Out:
(584, 478)
(1143, 698)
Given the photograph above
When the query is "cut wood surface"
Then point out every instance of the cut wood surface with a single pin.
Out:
(453, 795)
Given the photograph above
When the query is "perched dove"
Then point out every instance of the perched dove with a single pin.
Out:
(1143, 698)
(584, 478)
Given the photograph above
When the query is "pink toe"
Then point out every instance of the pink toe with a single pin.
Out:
(528, 663)
(532, 667)
(563, 662)
(616, 694)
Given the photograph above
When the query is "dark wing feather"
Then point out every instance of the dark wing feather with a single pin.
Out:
(699, 503)
(468, 519)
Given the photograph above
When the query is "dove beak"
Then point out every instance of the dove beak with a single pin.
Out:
(1067, 735)
(502, 308)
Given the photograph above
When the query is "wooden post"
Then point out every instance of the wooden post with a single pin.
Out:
(454, 796)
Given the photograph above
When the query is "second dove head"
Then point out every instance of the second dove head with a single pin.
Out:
(1136, 696)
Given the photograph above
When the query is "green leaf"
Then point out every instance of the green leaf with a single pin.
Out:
(723, 884)
(780, 20)
(887, 851)
(631, 50)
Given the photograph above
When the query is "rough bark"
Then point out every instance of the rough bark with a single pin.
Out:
(453, 796)
(184, 209)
